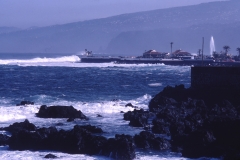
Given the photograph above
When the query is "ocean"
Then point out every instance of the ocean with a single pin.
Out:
(93, 88)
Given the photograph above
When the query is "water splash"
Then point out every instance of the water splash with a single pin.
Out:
(62, 59)
(212, 46)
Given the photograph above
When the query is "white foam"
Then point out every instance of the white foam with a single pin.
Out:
(17, 112)
(67, 61)
(72, 58)
(110, 110)
(155, 84)
(39, 155)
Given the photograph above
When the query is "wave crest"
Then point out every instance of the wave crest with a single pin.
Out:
(72, 58)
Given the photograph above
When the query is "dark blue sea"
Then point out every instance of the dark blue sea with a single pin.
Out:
(93, 88)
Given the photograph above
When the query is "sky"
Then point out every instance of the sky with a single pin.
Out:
(38, 13)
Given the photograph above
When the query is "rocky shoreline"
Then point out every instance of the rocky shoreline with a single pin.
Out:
(200, 123)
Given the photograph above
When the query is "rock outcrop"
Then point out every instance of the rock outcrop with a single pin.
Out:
(3, 140)
(23, 103)
(59, 112)
(148, 140)
(15, 127)
(79, 140)
(138, 118)
(201, 123)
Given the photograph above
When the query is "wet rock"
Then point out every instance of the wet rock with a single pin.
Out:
(59, 124)
(202, 123)
(148, 140)
(23, 103)
(3, 140)
(115, 100)
(15, 127)
(160, 102)
(121, 147)
(50, 156)
(23, 140)
(59, 112)
(98, 115)
(160, 126)
(90, 128)
(197, 144)
(137, 118)
(130, 105)
(70, 119)
(76, 141)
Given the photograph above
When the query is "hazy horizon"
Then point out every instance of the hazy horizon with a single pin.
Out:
(30, 13)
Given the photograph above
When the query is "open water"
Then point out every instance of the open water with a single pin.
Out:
(93, 88)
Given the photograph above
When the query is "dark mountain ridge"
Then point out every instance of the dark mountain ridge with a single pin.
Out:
(133, 33)
(8, 29)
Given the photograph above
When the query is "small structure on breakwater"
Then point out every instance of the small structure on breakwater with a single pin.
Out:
(154, 54)
(209, 77)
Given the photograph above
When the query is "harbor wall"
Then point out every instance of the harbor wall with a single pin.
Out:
(215, 77)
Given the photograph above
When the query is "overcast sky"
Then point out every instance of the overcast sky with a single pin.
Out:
(28, 13)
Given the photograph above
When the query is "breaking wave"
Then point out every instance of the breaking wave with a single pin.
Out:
(72, 58)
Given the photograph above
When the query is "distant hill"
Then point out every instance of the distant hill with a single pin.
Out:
(8, 29)
(189, 39)
(131, 34)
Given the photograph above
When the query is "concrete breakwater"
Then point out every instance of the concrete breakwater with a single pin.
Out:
(174, 62)
(220, 77)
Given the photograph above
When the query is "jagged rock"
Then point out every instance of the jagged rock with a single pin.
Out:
(158, 103)
(98, 115)
(76, 141)
(70, 119)
(148, 140)
(90, 128)
(59, 112)
(202, 123)
(198, 143)
(137, 118)
(50, 156)
(15, 127)
(23, 103)
(130, 105)
(121, 147)
(3, 140)
(160, 126)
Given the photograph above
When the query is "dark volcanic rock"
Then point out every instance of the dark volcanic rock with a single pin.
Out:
(160, 102)
(98, 115)
(202, 123)
(92, 129)
(148, 140)
(23, 103)
(50, 156)
(70, 119)
(160, 126)
(76, 141)
(3, 140)
(130, 105)
(59, 112)
(121, 147)
(137, 118)
(15, 127)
